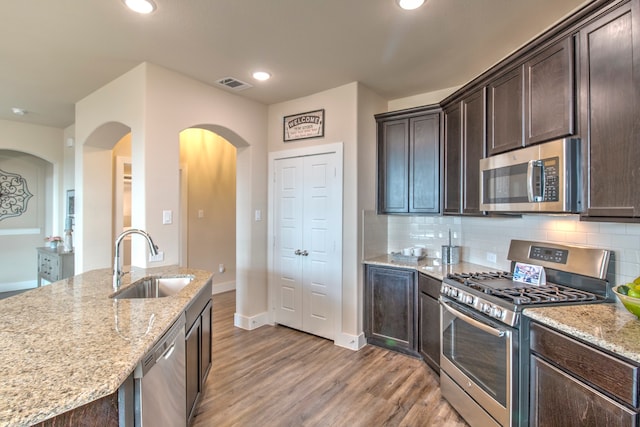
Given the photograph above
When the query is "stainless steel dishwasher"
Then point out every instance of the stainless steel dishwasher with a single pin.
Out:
(160, 387)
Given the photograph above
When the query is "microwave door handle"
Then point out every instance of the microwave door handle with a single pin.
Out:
(532, 178)
(473, 322)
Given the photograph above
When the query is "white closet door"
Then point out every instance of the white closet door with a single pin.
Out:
(307, 240)
(288, 210)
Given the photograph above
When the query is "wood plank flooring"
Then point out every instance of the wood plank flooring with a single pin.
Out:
(276, 376)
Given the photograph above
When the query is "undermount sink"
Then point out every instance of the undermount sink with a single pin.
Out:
(154, 287)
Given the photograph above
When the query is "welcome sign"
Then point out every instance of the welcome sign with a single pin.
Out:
(304, 125)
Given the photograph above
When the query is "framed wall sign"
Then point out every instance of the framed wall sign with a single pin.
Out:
(303, 125)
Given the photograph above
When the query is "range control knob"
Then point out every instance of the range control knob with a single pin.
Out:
(497, 312)
(469, 300)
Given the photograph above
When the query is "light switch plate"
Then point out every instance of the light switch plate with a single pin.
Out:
(167, 217)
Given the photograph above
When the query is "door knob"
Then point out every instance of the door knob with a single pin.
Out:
(298, 252)
(304, 253)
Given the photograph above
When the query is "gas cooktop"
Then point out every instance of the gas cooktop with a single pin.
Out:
(500, 284)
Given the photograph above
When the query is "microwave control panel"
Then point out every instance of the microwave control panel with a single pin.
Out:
(551, 181)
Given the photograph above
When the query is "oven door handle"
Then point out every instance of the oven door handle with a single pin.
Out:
(486, 328)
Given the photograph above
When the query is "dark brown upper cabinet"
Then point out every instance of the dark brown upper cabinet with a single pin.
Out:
(505, 112)
(474, 113)
(453, 159)
(549, 93)
(465, 141)
(609, 96)
(534, 102)
(409, 161)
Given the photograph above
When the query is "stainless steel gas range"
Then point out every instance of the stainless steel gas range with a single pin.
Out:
(484, 370)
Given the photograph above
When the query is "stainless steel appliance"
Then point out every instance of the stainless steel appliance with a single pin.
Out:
(484, 350)
(160, 387)
(540, 178)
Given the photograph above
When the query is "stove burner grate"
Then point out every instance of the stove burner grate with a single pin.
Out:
(542, 295)
(520, 294)
(466, 278)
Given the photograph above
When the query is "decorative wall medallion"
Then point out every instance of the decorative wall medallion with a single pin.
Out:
(14, 195)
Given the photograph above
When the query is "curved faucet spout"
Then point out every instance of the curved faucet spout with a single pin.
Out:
(117, 262)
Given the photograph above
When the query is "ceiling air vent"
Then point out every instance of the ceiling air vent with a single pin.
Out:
(234, 84)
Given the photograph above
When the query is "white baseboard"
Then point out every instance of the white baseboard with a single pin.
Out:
(219, 288)
(17, 286)
(352, 342)
(250, 323)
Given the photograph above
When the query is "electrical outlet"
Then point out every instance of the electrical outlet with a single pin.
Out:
(492, 257)
(156, 258)
(221, 268)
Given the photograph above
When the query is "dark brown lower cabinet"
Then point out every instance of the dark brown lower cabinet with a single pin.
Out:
(198, 347)
(192, 343)
(390, 308)
(429, 324)
(574, 384)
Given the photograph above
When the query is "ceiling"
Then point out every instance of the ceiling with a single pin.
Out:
(54, 53)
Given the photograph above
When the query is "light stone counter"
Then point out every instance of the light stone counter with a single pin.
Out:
(609, 326)
(429, 266)
(67, 344)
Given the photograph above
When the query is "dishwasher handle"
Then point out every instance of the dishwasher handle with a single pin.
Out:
(167, 353)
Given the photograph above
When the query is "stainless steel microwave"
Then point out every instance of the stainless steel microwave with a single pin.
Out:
(541, 178)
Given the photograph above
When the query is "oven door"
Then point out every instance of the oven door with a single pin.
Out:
(479, 355)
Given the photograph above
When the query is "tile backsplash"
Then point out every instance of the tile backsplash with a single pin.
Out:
(481, 237)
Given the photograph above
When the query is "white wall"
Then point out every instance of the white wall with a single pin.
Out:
(209, 163)
(43, 142)
(157, 104)
(369, 104)
(421, 99)
(345, 107)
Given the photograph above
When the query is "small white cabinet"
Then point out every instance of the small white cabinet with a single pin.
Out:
(54, 264)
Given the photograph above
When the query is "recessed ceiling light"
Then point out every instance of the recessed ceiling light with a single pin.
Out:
(261, 75)
(141, 6)
(410, 4)
(18, 111)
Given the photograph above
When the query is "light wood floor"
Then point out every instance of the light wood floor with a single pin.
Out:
(276, 376)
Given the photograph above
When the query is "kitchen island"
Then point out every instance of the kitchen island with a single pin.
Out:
(68, 344)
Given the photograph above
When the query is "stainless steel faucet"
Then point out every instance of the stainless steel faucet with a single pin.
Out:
(117, 262)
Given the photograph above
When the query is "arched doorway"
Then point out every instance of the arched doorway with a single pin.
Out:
(24, 220)
(208, 205)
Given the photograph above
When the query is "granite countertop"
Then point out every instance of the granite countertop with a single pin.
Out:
(429, 266)
(609, 326)
(67, 344)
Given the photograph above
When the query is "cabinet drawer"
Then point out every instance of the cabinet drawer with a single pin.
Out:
(49, 267)
(198, 304)
(430, 286)
(559, 399)
(604, 371)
